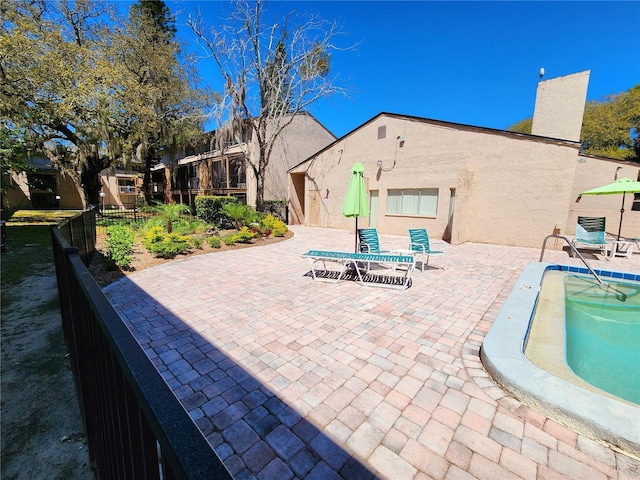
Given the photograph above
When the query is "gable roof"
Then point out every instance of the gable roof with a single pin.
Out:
(459, 126)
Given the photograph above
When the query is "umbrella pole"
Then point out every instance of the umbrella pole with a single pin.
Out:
(356, 251)
(621, 214)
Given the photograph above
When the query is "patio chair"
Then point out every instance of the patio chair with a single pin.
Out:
(370, 243)
(420, 244)
(590, 232)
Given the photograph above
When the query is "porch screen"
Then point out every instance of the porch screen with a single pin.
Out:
(419, 202)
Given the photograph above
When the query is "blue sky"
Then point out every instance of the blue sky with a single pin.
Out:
(473, 63)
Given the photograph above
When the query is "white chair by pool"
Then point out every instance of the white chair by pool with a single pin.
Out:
(420, 244)
(590, 232)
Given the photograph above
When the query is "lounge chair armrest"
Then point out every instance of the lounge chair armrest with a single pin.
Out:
(391, 246)
(442, 246)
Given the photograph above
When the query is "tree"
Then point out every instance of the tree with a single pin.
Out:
(53, 88)
(523, 126)
(610, 127)
(13, 157)
(170, 212)
(71, 88)
(167, 104)
(271, 72)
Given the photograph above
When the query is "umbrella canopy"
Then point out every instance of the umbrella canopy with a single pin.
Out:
(620, 187)
(356, 203)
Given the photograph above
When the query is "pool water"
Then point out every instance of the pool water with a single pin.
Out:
(602, 334)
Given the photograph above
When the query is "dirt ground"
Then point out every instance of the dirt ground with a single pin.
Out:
(42, 431)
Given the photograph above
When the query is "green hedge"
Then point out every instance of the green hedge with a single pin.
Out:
(120, 245)
(209, 209)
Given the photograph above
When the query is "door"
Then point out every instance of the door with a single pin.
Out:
(315, 199)
(373, 204)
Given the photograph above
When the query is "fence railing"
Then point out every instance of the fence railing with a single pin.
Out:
(136, 428)
(80, 231)
(120, 214)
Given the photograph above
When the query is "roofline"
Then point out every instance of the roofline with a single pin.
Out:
(610, 159)
(464, 126)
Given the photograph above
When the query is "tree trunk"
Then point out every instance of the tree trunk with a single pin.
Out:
(90, 178)
(146, 182)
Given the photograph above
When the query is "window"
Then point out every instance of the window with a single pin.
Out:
(421, 202)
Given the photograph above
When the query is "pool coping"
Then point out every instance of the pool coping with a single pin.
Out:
(502, 354)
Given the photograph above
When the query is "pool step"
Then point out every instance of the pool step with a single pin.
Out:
(587, 291)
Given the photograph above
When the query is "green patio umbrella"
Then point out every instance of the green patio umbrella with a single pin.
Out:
(621, 186)
(356, 203)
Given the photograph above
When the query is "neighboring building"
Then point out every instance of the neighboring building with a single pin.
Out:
(208, 169)
(43, 187)
(121, 187)
(465, 183)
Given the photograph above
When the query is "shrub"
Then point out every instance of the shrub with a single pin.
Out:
(165, 245)
(243, 236)
(240, 213)
(197, 242)
(277, 226)
(170, 212)
(120, 245)
(229, 239)
(188, 226)
(209, 209)
(277, 208)
(214, 242)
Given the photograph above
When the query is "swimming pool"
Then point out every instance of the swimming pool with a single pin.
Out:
(546, 384)
(602, 327)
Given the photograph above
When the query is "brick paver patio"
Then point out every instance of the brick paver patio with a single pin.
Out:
(291, 378)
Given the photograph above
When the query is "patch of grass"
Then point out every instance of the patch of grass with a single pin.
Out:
(28, 247)
(41, 216)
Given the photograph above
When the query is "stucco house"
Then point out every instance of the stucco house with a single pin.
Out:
(210, 169)
(466, 183)
(42, 187)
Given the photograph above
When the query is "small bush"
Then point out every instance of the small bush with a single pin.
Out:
(188, 226)
(120, 245)
(243, 236)
(197, 242)
(230, 239)
(277, 208)
(165, 245)
(209, 209)
(277, 227)
(240, 214)
(214, 242)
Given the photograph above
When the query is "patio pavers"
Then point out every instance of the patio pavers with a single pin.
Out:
(291, 378)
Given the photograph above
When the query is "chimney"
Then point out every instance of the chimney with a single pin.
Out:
(560, 106)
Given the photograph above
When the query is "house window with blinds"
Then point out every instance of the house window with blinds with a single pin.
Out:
(421, 202)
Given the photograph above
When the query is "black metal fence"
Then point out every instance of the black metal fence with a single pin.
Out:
(136, 428)
(120, 215)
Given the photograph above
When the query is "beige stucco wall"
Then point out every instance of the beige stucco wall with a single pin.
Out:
(510, 189)
(560, 106)
(109, 180)
(71, 197)
(17, 193)
(298, 141)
